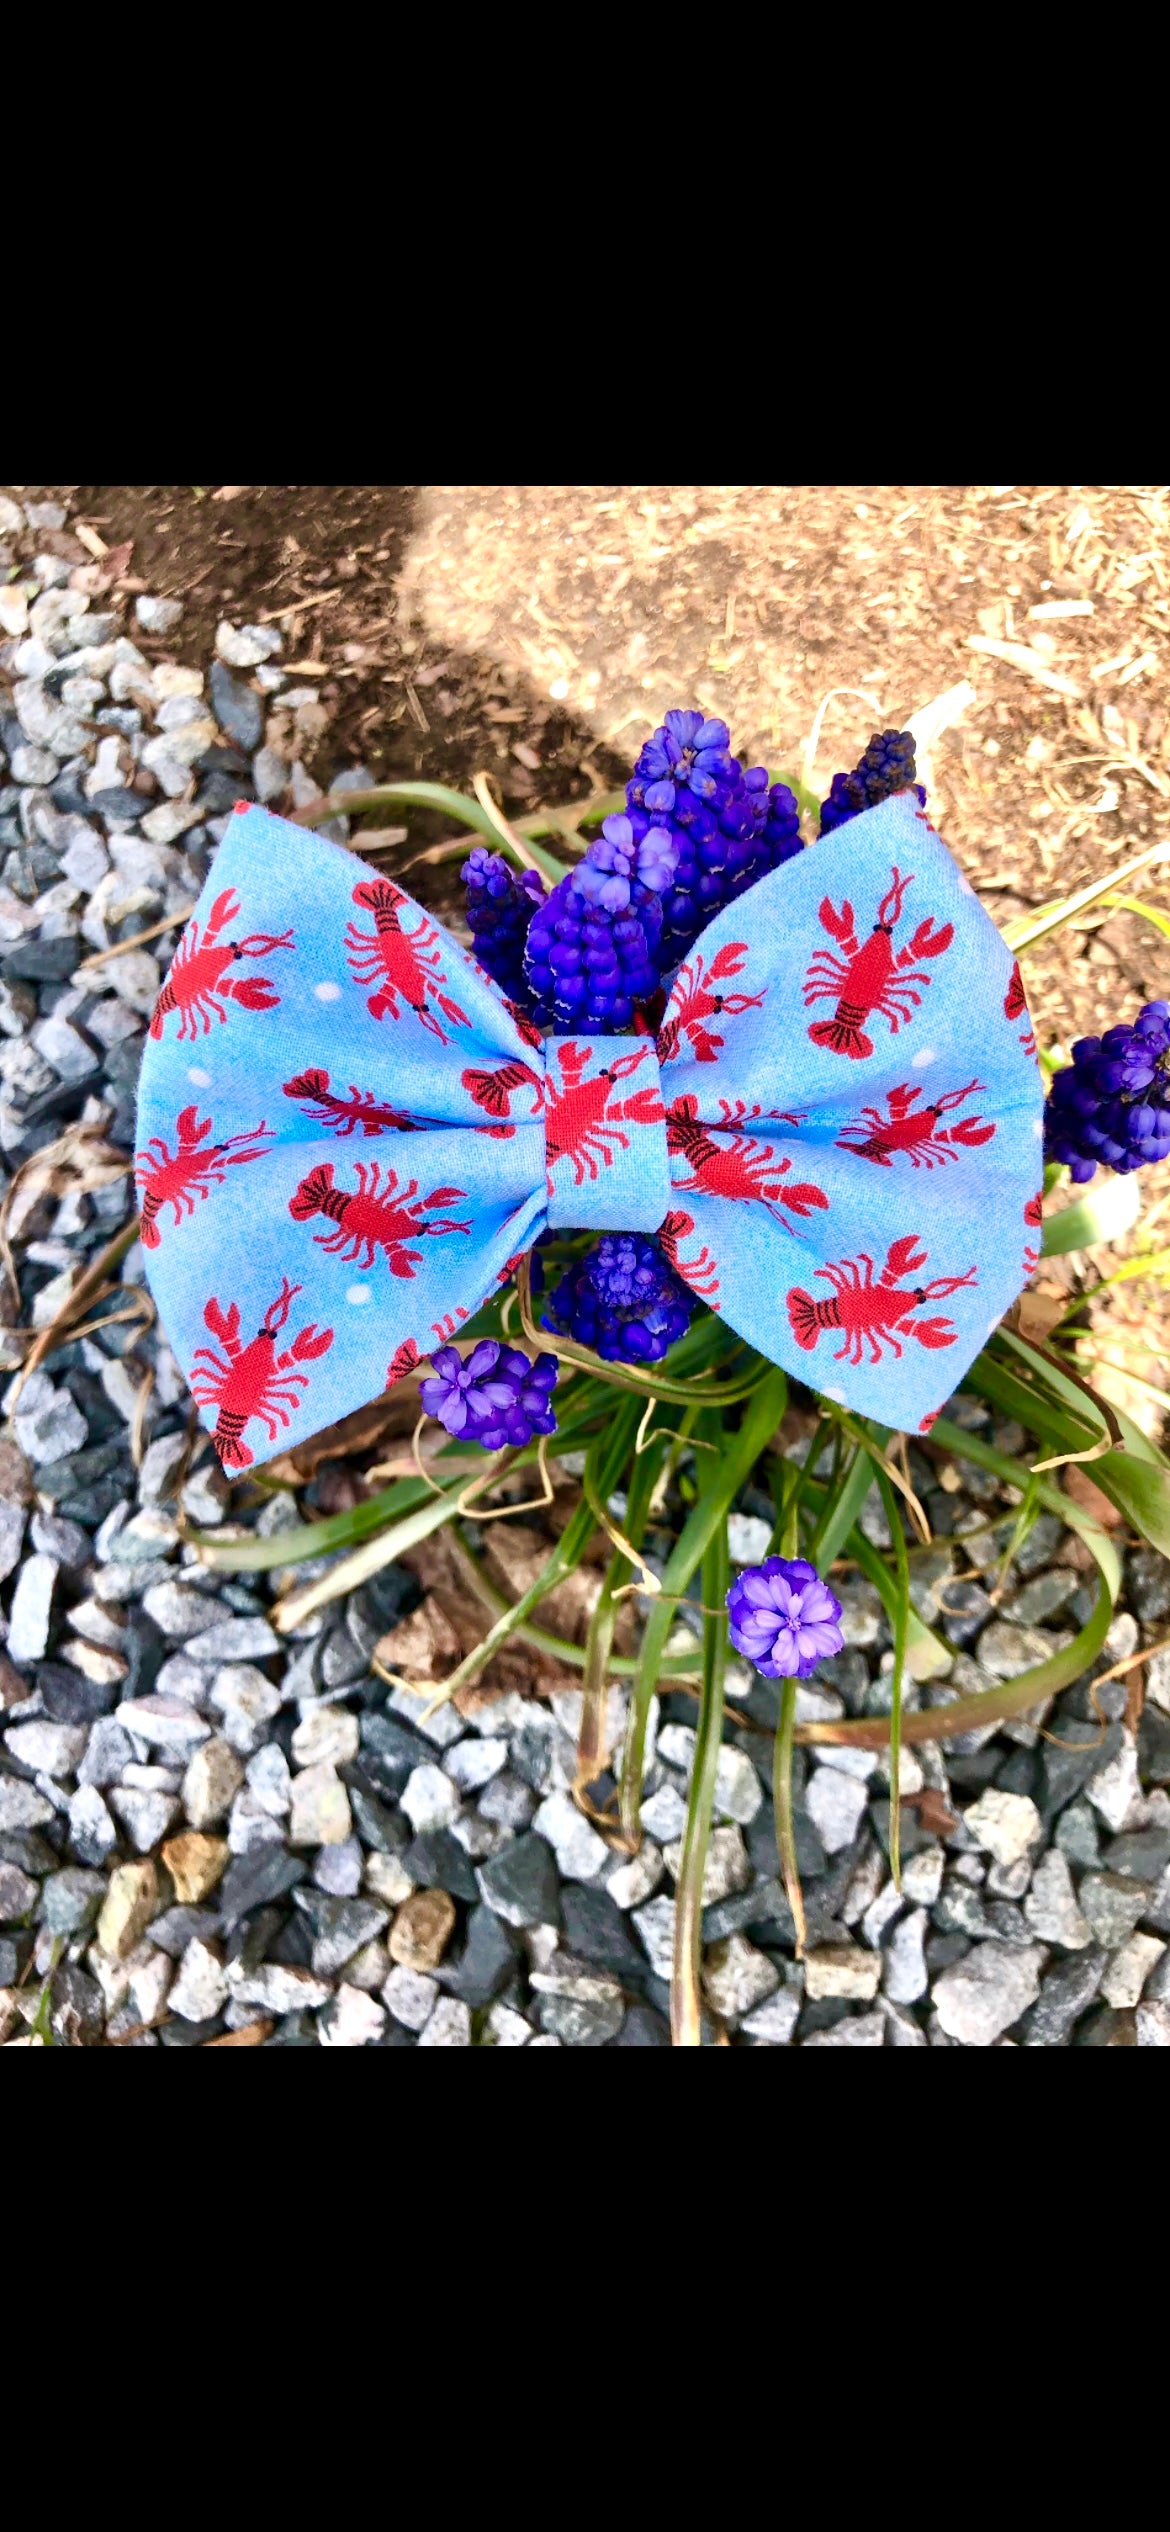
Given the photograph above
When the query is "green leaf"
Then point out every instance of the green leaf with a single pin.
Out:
(1137, 1480)
(741, 1451)
(1149, 914)
(1105, 1212)
(428, 795)
(1141, 1492)
(840, 1513)
(927, 1657)
(1038, 922)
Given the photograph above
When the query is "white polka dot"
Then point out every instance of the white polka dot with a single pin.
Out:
(966, 886)
(327, 992)
(926, 1055)
(1037, 1125)
(199, 1080)
(357, 1294)
(838, 1394)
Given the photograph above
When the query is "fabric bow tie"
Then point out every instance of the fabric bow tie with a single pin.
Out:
(349, 1137)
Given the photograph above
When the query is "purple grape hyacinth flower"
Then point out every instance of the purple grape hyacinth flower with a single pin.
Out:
(784, 1617)
(688, 753)
(496, 1397)
(886, 767)
(623, 1299)
(1112, 1103)
(617, 858)
(500, 904)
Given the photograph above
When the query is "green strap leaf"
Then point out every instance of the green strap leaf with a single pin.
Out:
(1104, 1212)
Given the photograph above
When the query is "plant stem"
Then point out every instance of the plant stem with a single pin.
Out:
(901, 1610)
(742, 1449)
(782, 1806)
(599, 1642)
(685, 1991)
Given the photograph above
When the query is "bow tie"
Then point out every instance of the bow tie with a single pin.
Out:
(349, 1138)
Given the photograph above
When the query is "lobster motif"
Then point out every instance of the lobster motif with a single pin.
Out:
(907, 1128)
(249, 1383)
(406, 1359)
(375, 1217)
(871, 978)
(700, 1272)
(1032, 1217)
(581, 1122)
(345, 1116)
(528, 1029)
(697, 1004)
(492, 1090)
(174, 1178)
(404, 965)
(746, 1172)
(1015, 1002)
(195, 986)
(875, 1314)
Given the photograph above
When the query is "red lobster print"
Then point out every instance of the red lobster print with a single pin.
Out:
(248, 1383)
(700, 1272)
(175, 1178)
(1032, 1216)
(908, 1128)
(1014, 1002)
(406, 1359)
(747, 1172)
(404, 965)
(373, 1218)
(196, 987)
(870, 978)
(528, 1029)
(581, 1123)
(493, 1091)
(875, 1314)
(697, 1004)
(345, 1116)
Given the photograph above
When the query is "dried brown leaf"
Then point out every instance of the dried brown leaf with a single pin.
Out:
(933, 1810)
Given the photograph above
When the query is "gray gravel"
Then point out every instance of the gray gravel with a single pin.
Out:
(206, 1829)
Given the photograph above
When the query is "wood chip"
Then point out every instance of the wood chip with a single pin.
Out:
(1017, 655)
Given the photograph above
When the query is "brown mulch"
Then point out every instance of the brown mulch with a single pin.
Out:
(326, 563)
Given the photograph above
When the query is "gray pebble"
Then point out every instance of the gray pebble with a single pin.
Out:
(983, 1994)
(235, 1640)
(158, 615)
(92, 1833)
(50, 1749)
(449, 2026)
(1066, 1991)
(1113, 1904)
(31, 1609)
(147, 1816)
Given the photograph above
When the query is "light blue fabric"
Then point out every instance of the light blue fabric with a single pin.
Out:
(343, 1128)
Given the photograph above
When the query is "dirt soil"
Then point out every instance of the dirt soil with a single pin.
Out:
(537, 633)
